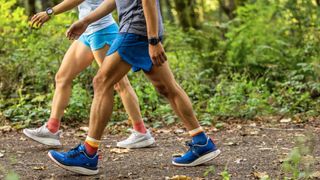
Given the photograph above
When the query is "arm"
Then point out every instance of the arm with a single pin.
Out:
(66, 5)
(104, 9)
(40, 18)
(77, 28)
(156, 52)
(151, 15)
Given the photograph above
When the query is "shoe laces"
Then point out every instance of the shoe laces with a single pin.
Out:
(134, 133)
(192, 145)
(74, 152)
(40, 129)
(189, 143)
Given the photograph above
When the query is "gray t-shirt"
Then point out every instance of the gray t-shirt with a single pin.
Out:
(132, 19)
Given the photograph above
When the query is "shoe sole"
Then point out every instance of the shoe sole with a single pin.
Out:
(45, 141)
(201, 160)
(141, 144)
(75, 169)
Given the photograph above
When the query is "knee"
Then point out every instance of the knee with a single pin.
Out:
(62, 80)
(163, 90)
(168, 90)
(100, 83)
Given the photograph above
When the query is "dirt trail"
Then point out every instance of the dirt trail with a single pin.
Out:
(246, 149)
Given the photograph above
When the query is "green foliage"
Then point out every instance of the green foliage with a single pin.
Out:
(276, 37)
(29, 59)
(225, 174)
(240, 97)
(300, 161)
(208, 171)
(265, 61)
(79, 104)
(12, 176)
(27, 108)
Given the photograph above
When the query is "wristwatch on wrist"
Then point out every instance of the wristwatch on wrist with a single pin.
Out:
(49, 11)
(153, 41)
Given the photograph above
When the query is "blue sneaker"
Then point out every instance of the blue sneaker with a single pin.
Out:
(197, 154)
(76, 160)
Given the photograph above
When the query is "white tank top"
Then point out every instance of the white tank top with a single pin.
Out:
(88, 6)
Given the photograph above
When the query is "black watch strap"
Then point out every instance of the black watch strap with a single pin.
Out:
(154, 41)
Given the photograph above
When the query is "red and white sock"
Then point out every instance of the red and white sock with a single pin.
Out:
(53, 125)
(139, 126)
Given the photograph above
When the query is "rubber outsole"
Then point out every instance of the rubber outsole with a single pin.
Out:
(201, 160)
(45, 141)
(75, 169)
(141, 144)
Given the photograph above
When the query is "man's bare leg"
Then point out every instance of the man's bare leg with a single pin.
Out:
(140, 136)
(112, 70)
(202, 148)
(124, 88)
(163, 80)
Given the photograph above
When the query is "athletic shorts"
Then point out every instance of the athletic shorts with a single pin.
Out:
(133, 49)
(99, 39)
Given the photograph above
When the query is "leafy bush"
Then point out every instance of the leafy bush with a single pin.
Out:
(240, 97)
(263, 62)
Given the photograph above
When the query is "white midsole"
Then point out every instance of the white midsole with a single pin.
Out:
(75, 169)
(201, 160)
(45, 141)
(141, 144)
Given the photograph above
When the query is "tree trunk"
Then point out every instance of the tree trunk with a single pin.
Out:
(187, 15)
(194, 14)
(45, 4)
(228, 7)
(168, 13)
(30, 7)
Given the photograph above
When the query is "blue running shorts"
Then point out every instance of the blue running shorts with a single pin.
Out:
(133, 49)
(99, 39)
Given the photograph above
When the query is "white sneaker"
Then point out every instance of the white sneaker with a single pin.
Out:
(44, 136)
(137, 140)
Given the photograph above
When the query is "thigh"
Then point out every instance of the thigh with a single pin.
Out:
(113, 69)
(77, 58)
(161, 76)
(100, 54)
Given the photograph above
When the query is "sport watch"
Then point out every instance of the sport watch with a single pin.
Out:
(153, 41)
(49, 11)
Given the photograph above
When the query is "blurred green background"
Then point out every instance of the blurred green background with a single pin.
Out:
(235, 59)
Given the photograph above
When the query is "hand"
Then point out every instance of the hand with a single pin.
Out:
(39, 19)
(157, 54)
(76, 29)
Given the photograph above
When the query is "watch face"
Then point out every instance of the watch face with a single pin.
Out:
(49, 11)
